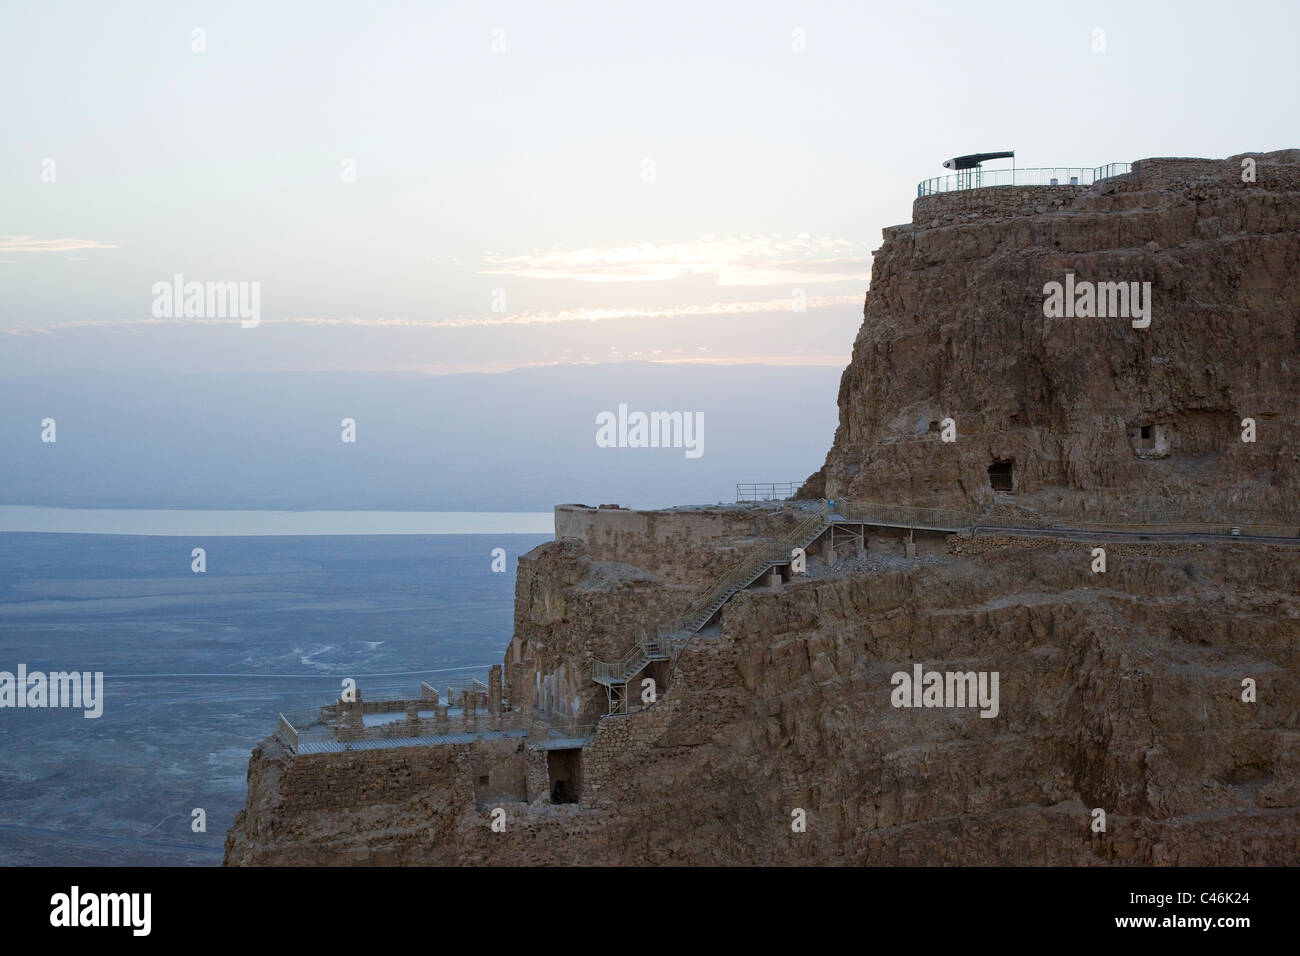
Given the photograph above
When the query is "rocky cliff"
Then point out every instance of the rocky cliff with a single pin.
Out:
(1120, 692)
(1146, 714)
(1088, 413)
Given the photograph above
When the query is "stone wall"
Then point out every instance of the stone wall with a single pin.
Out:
(681, 546)
(1274, 170)
(1278, 170)
(991, 201)
(504, 762)
(614, 575)
(570, 611)
(327, 807)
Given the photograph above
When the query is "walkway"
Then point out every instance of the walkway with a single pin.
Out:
(391, 743)
(670, 638)
(674, 635)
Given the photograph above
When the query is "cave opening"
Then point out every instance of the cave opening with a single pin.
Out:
(1150, 440)
(1001, 476)
(564, 770)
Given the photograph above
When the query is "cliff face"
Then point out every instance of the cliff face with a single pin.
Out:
(1161, 692)
(954, 327)
(621, 573)
(1120, 692)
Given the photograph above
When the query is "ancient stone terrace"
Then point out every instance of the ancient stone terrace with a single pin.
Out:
(462, 712)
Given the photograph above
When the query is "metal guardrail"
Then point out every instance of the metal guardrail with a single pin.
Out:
(290, 734)
(1169, 522)
(334, 731)
(698, 612)
(303, 720)
(831, 511)
(750, 568)
(299, 725)
(1111, 170)
(766, 490)
(865, 512)
(1031, 176)
(646, 649)
(554, 726)
(674, 634)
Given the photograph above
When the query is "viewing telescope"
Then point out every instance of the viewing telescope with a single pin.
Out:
(974, 159)
(969, 166)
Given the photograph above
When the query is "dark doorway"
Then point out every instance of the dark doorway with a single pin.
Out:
(564, 770)
(1000, 476)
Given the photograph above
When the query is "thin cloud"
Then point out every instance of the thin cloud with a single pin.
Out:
(731, 260)
(32, 244)
(486, 321)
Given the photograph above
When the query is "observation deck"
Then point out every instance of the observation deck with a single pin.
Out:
(980, 178)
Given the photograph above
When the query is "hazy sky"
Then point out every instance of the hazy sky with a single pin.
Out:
(543, 182)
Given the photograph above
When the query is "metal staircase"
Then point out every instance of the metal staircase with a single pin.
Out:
(616, 674)
(671, 637)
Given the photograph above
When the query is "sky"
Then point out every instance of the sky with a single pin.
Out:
(451, 187)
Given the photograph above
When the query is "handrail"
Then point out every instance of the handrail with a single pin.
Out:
(615, 669)
(1022, 176)
(865, 512)
(766, 490)
(952, 520)
(290, 733)
(750, 566)
(827, 513)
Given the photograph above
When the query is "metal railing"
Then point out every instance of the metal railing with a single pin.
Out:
(766, 490)
(450, 694)
(1031, 176)
(868, 512)
(748, 568)
(555, 726)
(644, 650)
(1264, 524)
(676, 633)
(422, 728)
(698, 612)
(1169, 522)
(290, 734)
(300, 726)
(1111, 170)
